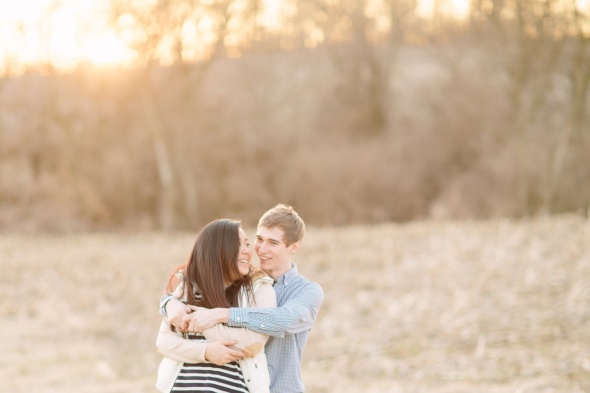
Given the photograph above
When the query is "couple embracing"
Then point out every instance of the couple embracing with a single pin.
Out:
(230, 327)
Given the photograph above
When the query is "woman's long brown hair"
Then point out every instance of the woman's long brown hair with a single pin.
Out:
(212, 264)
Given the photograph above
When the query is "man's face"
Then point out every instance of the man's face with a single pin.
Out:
(274, 254)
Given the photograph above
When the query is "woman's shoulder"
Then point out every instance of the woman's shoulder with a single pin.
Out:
(259, 277)
(257, 273)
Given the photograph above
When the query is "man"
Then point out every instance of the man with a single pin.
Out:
(278, 237)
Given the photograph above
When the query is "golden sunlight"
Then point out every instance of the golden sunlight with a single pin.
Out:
(273, 12)
(106, 49)
(583, 6)
(455, 8)
(62, 34)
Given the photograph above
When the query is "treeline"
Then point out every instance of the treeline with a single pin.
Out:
(487, 117)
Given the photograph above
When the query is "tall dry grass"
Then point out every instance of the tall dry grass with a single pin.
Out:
(497, 306)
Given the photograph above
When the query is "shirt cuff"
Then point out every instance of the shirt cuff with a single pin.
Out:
(238, 317)
(163, 300)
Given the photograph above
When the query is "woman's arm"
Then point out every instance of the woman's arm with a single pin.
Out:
(249, 341)
(176, 347)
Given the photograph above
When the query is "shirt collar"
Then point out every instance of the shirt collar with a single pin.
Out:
(289, 275)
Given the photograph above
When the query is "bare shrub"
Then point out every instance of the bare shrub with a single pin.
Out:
(175, 147)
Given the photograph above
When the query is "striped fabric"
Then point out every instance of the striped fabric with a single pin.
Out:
(209, 377)
(298, 301)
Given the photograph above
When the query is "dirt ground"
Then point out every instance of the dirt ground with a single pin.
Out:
(492, 307)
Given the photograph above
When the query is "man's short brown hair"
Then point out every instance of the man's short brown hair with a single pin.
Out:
(286, 218)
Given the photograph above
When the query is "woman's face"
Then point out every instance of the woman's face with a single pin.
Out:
(245, 254)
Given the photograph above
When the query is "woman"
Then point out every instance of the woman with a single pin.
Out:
(218, 274)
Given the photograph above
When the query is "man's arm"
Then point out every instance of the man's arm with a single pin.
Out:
(296, 315)
(249, 342)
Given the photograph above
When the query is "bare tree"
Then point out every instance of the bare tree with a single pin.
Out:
(161, 33)
(578, 74)
(363, 40)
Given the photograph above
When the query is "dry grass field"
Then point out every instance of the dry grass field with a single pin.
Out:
(497, 306)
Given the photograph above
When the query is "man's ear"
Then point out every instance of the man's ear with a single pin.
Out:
(295, 246)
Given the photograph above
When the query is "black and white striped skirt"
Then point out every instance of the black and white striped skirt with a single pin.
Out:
(209, 377)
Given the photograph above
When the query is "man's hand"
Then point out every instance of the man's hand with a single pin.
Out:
(220, 353)
(176, 311)
(204, 318)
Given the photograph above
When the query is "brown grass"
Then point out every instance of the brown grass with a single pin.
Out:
(498, 306)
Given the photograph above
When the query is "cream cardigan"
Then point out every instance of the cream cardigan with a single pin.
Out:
(178, 350)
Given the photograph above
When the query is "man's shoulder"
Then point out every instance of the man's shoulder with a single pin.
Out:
(302, 283)
(302, 280)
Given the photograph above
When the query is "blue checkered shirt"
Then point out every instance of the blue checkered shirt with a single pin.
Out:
(298, 303)
(288, 325)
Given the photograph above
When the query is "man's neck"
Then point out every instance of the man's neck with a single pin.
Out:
(276, 274)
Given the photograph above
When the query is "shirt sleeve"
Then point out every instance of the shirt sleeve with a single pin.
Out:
(249, 341)
(178, 294)
(296, 315)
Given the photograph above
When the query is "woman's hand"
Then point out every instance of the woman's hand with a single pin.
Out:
(203, 318)
(220, 353)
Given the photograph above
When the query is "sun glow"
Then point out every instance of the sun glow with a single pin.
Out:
(106, 50)
(77, 39)
(63, 34)
(455, 8)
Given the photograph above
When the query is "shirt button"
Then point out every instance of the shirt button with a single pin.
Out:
(238, 318)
